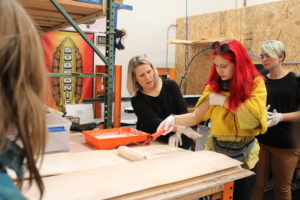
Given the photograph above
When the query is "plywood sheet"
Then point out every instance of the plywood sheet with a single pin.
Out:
(251, 25)
(60, 163)
(127, 178)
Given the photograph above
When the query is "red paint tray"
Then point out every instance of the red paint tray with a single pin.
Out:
(112, 138)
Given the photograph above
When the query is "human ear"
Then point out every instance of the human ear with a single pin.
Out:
(281, 57)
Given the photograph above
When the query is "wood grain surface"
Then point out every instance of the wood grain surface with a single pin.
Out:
(123, 180)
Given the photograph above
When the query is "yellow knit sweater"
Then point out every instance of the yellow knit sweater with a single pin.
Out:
(225, 123)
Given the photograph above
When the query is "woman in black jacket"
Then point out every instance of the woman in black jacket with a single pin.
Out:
(155, 99)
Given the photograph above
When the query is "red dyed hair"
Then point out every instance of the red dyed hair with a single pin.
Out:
(242, 82)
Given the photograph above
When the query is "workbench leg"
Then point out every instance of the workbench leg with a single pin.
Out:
(228, 191)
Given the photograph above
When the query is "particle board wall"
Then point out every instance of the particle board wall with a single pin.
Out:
(250, 25)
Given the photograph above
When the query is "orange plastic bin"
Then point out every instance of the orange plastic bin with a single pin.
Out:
(112, 138)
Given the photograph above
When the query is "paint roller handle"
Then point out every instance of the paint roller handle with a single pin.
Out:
(157, 134)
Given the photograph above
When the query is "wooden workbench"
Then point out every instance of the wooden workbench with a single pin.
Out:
(169, 176)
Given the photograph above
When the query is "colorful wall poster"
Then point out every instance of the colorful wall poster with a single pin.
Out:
(67, 52)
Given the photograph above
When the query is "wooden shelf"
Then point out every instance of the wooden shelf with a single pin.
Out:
(196, 42)
(47, 17)
(79, 75)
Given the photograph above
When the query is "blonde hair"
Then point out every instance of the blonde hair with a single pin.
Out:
(132, 85)
(273, 48)
(22, 86)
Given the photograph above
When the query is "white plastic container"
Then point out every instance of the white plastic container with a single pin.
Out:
(58, 133)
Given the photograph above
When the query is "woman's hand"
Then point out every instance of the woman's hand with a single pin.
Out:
(175, 140)
(168, 125)
(188, 131)
(274, 118)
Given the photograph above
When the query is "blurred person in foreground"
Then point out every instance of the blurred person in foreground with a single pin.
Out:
(22, 127)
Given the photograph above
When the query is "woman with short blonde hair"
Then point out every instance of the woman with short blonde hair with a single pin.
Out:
(279, 146)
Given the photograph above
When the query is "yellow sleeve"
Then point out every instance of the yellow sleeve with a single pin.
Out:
(256, 104)
(204, 95)
(246, 120)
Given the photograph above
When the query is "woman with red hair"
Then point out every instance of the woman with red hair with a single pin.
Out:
(234, 100)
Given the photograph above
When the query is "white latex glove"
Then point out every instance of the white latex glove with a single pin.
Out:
(188, 131)
(168, 124)
(274, 118)
(216, 99)
(175, 140)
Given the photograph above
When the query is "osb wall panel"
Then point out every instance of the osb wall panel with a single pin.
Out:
(250, 25)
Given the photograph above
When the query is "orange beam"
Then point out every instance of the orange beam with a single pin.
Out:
(171, 72)
(117, 93)
(228, 191)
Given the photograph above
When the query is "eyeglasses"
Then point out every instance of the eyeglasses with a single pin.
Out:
(220, 48)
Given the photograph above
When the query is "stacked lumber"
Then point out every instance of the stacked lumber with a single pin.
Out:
(174, 176)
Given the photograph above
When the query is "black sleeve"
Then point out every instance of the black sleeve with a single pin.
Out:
(180, 103)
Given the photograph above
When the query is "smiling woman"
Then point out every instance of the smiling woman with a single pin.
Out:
(155, 99)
